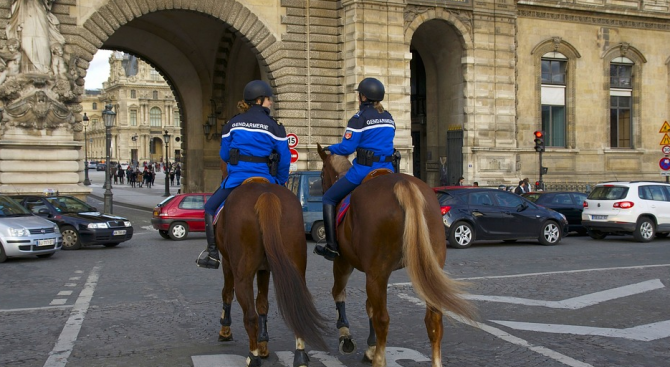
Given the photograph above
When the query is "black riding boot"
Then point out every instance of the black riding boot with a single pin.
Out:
(209, 258)
(330, 251)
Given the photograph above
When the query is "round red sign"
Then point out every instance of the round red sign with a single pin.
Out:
(666, 149)
(294, 155)
(292, 140)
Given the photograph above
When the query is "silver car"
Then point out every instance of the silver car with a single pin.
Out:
(24, 234)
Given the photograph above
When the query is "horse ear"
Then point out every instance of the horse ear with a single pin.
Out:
(322, 153)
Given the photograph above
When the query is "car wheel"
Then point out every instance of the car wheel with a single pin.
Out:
(550, 234)
(44, 256)
(3, 255)
(461, 235)
(178, 231)
(110, 244)
(318, 231)
(644, 230)
(164, 234)
(70, 238)
(596, 235)
(662, 235)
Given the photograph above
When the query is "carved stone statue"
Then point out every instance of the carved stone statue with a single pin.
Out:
(36, 28)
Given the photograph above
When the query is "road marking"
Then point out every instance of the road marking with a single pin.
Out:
(286, 358)
(58, 301)
(577, 302)
(30, 309)
(649, 332)
(568, 361)
(219, 360)
(64, 293)
(65, 343)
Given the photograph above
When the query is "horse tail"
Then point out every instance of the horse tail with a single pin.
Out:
(294, 300)
(429, 280)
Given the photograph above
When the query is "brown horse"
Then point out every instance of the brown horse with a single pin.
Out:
(261, 231)
(407, 233)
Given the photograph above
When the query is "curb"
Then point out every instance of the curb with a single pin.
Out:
(132, 206)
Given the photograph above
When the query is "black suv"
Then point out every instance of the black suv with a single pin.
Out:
(79, 223)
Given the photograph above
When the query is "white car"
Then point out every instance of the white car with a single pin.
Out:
(124, 166)
(24, 234)
(640, 208)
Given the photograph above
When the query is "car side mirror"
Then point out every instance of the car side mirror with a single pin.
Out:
(521, 207)
(43, 211)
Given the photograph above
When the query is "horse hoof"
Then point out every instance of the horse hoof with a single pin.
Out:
(263, 350)
(300, 358)
(253, 361)
(347, 345)
(225, 335)
(366, 360)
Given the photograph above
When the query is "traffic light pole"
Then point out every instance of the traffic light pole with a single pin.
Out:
(541, 182)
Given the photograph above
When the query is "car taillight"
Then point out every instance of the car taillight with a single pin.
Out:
(624, 204)
(445, 209)
(585, 204)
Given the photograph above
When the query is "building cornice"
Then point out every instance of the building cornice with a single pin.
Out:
(599, 18)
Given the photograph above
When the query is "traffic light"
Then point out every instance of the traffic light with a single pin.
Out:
(539, 141)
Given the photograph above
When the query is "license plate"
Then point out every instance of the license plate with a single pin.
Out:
(598, 217)
(48, 242)
(119, 232)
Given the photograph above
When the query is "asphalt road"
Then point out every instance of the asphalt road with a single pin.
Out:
(145, 303)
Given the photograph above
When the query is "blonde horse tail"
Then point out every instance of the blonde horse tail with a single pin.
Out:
(294, 300)
(429, 280)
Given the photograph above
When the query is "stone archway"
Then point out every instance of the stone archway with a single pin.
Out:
(439, 93)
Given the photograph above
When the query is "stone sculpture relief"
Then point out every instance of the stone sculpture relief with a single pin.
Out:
(38, 81)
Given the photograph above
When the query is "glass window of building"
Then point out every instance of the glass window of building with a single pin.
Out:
(177, 119)
(155, 117)
(95, 106)
(553, 79)
(133, 117)
(155, 94)
(133, 93)
(621, 97)
(154, 75)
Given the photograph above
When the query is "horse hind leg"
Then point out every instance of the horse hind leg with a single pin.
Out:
(378, 314)
(263, 283)
(300, 357)
(347, 345)
(433, 320)
(372, 344)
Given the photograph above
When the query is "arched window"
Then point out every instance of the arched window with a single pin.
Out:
(155, 117)
(621, 98)
(155, 94)
(554, 65)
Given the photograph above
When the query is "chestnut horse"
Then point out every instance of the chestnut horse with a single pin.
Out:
(408, 232)
(261, 231)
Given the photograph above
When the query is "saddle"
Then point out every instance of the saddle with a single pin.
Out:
(248, 180)
(344, 204)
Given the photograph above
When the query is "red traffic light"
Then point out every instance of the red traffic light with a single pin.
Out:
(539, 134)
(539, 141)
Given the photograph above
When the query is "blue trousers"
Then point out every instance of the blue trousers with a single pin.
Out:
(218, 197)
(338, 191)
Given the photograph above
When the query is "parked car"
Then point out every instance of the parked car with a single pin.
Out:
(101, 167)
(307, 187)
(180, 214)
(640, 208)
(124, 166)
(470, 214)
(92, 164)
(24, 234)
(79, 223)
(568, 203)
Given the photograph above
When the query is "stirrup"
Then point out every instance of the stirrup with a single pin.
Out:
(207, 261)
(327, 252)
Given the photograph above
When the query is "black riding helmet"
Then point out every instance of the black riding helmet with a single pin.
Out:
(372, 89)
(256, 89)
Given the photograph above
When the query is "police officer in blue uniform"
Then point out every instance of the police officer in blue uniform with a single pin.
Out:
(370, 134)
(253, 144)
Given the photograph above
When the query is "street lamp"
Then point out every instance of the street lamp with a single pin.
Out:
(108, 116)
(166, 137)
(87, 182)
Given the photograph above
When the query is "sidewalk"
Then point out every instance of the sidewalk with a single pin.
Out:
(141, 198)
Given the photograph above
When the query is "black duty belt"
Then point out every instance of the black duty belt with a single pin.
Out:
(367, 157)
(236, 157)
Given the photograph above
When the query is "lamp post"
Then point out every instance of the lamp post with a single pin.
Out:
(166, 137)
(108, 115)
(87, 182)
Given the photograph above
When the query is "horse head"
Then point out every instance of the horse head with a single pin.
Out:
(334, 167)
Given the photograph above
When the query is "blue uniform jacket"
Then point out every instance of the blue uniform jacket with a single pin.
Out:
(371, 130)
(256, 134)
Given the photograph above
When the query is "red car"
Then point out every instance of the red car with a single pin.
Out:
(180, 214)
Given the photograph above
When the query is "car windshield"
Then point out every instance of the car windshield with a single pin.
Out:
(608, 193)
(66, 204)
(532, 197)
(11, 208)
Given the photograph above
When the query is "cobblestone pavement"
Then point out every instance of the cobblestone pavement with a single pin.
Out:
(145, 303)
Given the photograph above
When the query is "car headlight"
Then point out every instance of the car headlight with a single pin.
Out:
(97, 225)
(127, 223)
(19, 232)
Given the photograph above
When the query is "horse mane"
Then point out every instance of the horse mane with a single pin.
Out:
(340, 163)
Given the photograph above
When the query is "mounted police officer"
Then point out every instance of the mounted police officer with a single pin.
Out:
(253, 144)
(370, 134)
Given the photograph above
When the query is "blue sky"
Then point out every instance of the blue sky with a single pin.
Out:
(98, 70)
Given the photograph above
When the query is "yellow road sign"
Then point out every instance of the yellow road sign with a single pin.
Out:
(665, 128)
(665, 140)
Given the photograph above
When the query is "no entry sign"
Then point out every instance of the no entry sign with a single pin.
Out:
(294, 155)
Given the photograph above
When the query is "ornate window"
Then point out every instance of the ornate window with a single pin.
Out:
(133, 93)
(177, 119)
(621, 92)
(133, 117)
(554, 65)
(155, 94)
(155, 117)
(95, 106)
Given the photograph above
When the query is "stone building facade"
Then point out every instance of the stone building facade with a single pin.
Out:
(468, 81)
(145, 109)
